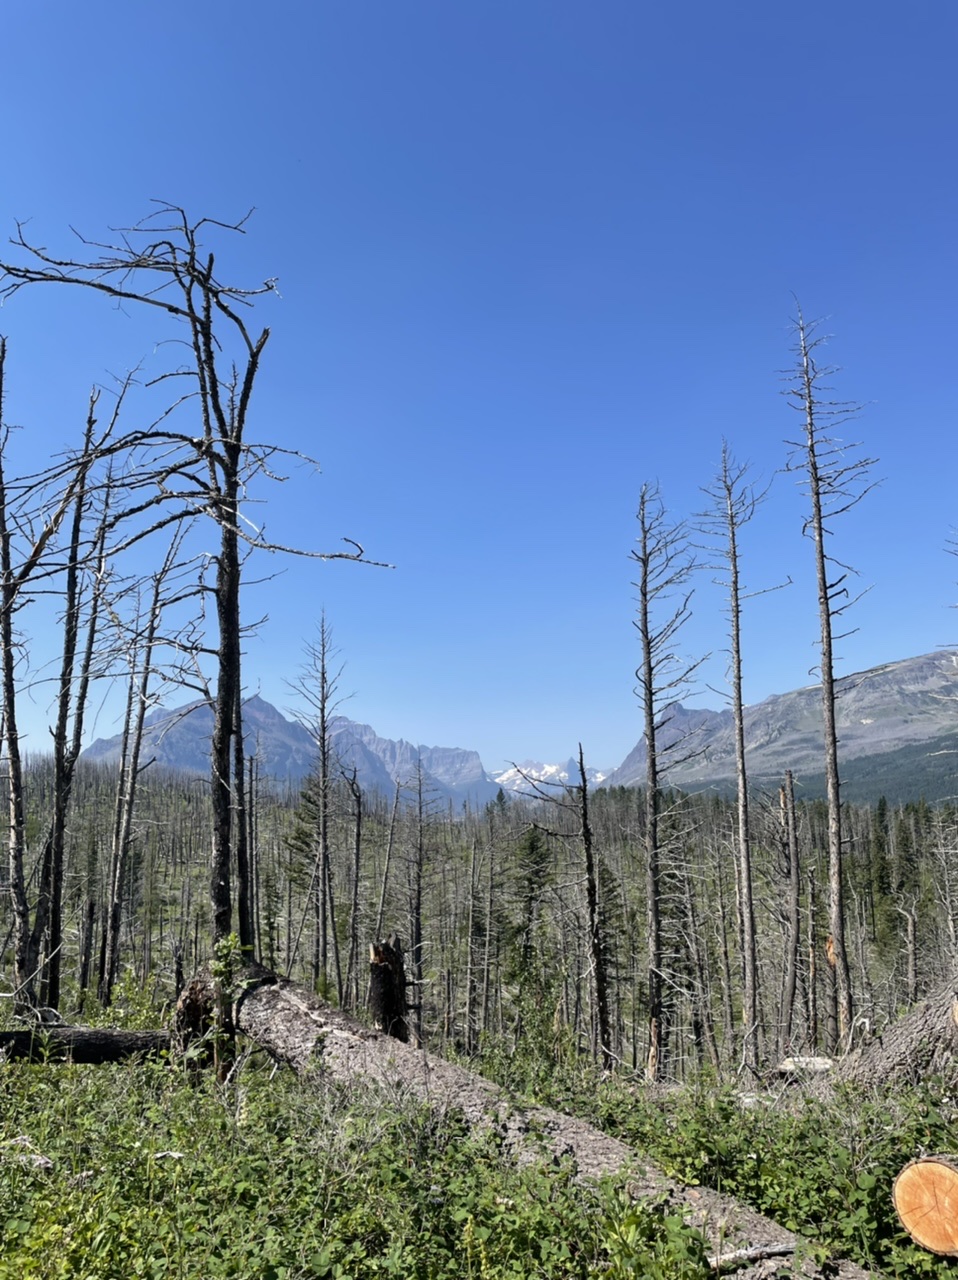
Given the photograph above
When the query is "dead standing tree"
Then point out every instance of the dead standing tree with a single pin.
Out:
(572, 798)
(835, 478)
(666, 562)
(733, 503)
(162, 263)
(34, 511)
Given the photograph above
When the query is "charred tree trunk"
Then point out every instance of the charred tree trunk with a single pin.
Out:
(91, 1045)
(597, 948)
(387, 988)
(352, 961)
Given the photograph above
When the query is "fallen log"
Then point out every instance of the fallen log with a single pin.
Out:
(922, 1043)
(92, 1045)
(320, 1043)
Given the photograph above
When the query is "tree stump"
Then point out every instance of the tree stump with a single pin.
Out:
(387, 988)
(925, 1196)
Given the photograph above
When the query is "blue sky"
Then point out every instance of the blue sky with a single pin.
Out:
(531, 255)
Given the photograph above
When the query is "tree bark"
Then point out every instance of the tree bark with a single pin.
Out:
(92, 1045)
(922, 1043)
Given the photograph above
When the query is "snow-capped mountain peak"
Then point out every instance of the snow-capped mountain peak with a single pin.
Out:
(522, 779)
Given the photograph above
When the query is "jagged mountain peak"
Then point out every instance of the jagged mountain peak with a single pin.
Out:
(179, 739)
(522, 779)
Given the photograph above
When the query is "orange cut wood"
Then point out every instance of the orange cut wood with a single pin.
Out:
(925, 1196)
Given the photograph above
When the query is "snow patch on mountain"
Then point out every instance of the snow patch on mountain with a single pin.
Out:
(532, 777)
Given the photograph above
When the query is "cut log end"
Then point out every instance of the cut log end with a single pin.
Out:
(925, 1196)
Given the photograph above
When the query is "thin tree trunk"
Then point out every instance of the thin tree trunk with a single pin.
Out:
(835, 484)
(387, 862)
(470, 947)
(71, 698)
(596, 941)
(812, 965)
(787, 795)
(352, 962)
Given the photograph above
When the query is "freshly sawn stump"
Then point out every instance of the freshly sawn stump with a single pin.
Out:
(925, 1196)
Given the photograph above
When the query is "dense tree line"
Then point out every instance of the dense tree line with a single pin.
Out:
(511, 937)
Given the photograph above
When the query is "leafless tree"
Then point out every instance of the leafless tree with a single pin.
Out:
(835, 476)
(597, 940)
(666, 561)
(204, 467)
(794, 871)
(734, 500)
(318, 685)
(139, 638)
(34, 512)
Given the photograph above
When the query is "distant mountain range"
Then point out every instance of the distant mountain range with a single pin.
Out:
(286, 750)
(898, 726)
(534, 778)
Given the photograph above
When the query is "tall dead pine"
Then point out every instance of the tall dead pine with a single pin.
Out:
(835, 478)
(665, 563)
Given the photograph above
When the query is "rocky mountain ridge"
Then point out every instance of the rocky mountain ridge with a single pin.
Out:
(898, 725)
(889, 718)
(285, 749)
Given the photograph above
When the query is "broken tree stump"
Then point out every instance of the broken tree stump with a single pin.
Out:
(925, 1196)
(387, 988)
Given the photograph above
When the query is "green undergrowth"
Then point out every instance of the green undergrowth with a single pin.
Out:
(138, 1171)
(822, 1167)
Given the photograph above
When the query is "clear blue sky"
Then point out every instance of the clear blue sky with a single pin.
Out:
(531, 254)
